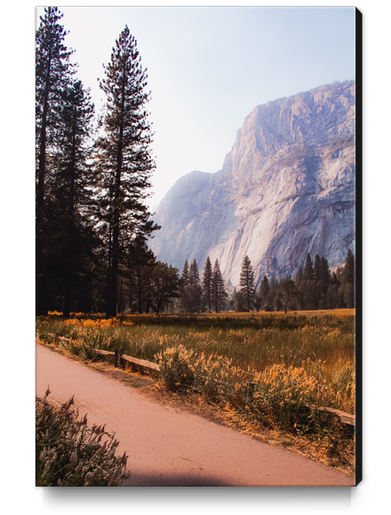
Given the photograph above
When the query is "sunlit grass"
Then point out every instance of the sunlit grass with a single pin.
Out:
(275, 368)
(257, 341)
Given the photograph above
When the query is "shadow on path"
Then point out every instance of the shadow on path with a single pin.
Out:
(166, 479)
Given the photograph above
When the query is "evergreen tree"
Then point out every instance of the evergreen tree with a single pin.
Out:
(123, 159)
(207, 284)
(332, 296)
(52, 75)
(323, 283)
(308, 273)
(73, 240)
(247, 286)
(184, 303)
(218, 288)
(165, 281)
(239, 302)
(317, 282)
(347, 281)
(288, 292)
(140, 262)
(300, 287)
(307, 286)
(264, 293)
(185, 274)
(195, 289)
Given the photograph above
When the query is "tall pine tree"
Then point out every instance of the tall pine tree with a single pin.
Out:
(123, 157)
(347, 281)
(53, 74)
(207, 284)
(219, 293)
(195, 289)
(247, 286)
(264, 294)
(72, 232)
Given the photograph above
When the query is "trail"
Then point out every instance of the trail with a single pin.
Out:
(169, 447)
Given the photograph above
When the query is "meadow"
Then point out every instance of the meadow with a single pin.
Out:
(274, 369)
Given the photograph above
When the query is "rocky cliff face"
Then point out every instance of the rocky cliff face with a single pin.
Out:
(286, 188)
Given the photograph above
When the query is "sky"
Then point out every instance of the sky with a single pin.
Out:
(209, 67)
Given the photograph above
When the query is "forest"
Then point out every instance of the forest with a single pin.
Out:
(314, 287)
(93, 175)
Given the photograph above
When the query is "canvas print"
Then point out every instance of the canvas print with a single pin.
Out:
(198, 258)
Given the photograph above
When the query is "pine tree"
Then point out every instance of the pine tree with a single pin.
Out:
(307, 287)
(317, 281)
(288, 292)
(308, 273)
(207, 284)
(195, 289)
(347, 281)
(123, 157)
(140, 261)
(218, 288)
(332, 296)
(247, 286)
(73, 239)
(324, 283)
(239, 302)
(194, 276)
(165, 281)
(264, 293)
(184, 299)
(53, 73)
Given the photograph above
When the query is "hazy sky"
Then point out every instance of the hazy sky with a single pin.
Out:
(209, 67)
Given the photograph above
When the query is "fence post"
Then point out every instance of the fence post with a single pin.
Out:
(117, 357)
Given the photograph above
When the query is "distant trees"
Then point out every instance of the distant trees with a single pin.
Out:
(314, 288)
(218, 288)
(264, 294)
(288, 292)
(207, 284)
(164, 285)
(196, 295)
(321, 289)
(346, 289)
(247, 286)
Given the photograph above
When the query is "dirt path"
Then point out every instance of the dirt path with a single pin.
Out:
(169, 447)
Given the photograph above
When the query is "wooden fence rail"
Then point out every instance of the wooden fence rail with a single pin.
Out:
(130, 359)
(344, 418)
(118, 354)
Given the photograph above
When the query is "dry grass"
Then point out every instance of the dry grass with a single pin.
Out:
(268, 370)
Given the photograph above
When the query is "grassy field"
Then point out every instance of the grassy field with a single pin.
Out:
(272, 369)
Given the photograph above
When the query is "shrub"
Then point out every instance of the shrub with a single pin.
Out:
(288, 396)
(175, 368)
(69, 453)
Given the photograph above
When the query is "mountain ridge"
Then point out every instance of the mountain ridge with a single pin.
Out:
(286, 188)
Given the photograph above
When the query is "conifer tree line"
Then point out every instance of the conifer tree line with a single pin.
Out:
(196, 295)
(91, 221)
(314, 287)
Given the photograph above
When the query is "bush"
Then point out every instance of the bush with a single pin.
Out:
(69, 453)
(175, 368)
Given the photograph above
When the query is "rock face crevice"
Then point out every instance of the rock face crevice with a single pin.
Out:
(286, 188)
